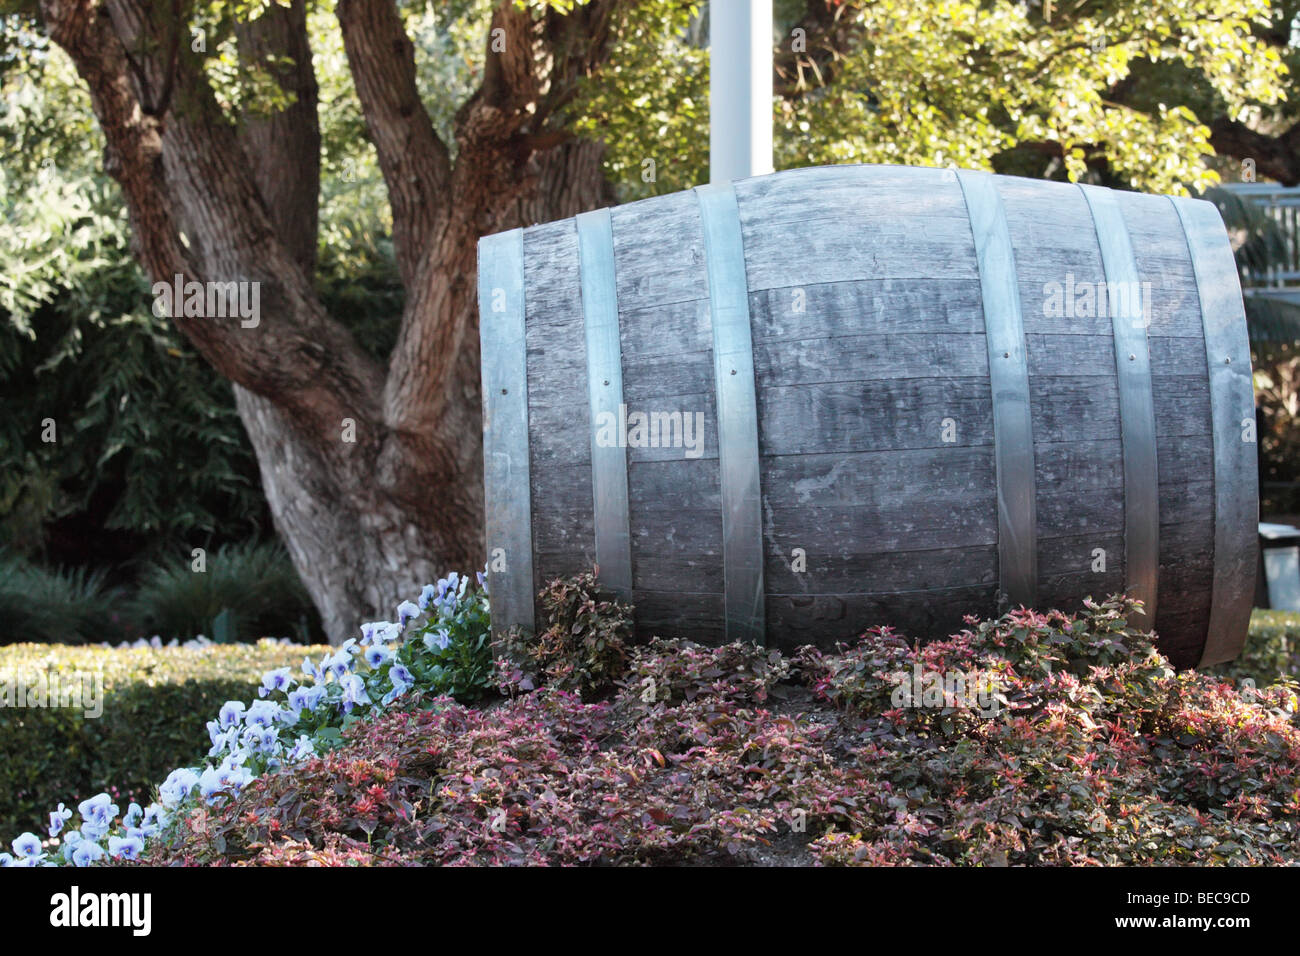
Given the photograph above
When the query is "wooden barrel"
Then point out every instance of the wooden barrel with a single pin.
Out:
(793, 407)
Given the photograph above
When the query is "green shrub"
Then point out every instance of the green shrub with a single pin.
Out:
(450, 652)
(245, 592)
(156, 703)
(55, 606)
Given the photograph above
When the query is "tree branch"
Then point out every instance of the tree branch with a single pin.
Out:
(413, 160)
(283, 148)
(133, 150)
(828, 35)
(169, 82)
(186, 172)
(503, 133)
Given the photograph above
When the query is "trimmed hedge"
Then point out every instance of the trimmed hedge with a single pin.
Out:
(156, 704)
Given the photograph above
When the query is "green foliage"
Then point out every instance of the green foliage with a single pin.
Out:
(147, 440)
(253, 584)
(355, 218)
(155, 705)
(650, 105)
(451, 651)
(583, 647)
(968, 83)
(45, 606)
(361, 287)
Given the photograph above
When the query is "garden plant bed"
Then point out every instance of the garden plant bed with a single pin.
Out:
(671, 753)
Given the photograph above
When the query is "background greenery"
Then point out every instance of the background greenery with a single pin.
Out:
(246, 591)
(1272, 651)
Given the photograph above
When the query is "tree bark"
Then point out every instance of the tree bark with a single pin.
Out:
(373, 475)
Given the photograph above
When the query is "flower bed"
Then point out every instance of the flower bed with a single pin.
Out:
(289, 722)
(1085, 748)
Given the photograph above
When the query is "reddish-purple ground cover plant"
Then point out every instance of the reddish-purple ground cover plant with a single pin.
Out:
(583, 647)
(1095, 753)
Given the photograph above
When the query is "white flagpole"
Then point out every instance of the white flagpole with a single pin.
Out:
(740, 89)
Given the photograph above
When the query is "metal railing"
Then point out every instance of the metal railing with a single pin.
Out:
(1282, 205)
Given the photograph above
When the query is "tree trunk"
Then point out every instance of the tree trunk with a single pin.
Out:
(373, 475)
(358, 550)
(1274, 156)
(369, 528)
(365, 534)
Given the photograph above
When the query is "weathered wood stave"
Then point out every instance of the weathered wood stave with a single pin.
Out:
(898, 525)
